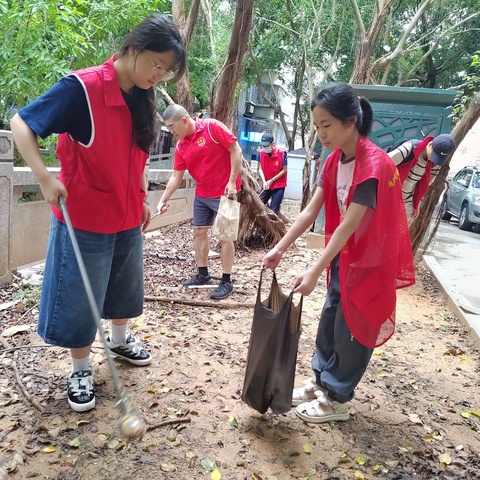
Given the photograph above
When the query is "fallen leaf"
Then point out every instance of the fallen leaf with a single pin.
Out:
(215, 475)
(465, 415)
(151, 390)
(361, 461)
(49, 449)
(167, 467)
(413, 417)
(473, 412)
(445, 458)
(359, 474)
(233, 421)
(75, 442)
(16, 329)
(113, 444)
(208, 465)
(307, 448)
(4, 306)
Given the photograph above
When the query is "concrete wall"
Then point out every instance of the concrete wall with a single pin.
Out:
(24, 226)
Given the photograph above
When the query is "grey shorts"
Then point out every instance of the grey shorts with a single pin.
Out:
(204, 211)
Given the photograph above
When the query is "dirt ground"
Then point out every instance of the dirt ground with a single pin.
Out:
(415, 414)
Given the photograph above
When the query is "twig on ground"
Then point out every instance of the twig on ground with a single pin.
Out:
(198, 303)
(7, 346)
(153, 426)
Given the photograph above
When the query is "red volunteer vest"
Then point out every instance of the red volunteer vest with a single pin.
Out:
(377, 258)
(271, 165)
(422, 185)
(103, 178)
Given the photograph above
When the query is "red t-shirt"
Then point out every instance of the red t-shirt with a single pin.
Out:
(205, 155)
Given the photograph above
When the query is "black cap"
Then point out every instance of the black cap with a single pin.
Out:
(442, 147)
(267, 139)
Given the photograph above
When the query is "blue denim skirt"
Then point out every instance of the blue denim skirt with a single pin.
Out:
(114, 265)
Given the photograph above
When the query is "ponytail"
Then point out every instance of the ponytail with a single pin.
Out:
(364, 127)
(342, 102)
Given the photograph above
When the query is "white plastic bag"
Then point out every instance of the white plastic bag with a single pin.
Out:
(226, 222)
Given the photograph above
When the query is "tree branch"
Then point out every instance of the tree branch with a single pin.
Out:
(386, 59)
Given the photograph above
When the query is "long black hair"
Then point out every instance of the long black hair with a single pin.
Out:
(341, 101)
(158, 34)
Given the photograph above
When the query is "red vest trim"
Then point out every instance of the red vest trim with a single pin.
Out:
(103, 178)
(377, 258)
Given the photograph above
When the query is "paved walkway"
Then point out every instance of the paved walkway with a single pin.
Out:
(454, 259)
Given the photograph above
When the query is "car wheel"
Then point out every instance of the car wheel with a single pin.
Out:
(463, 222)
(444, 212)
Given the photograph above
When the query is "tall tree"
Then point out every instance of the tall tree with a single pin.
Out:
(223, 87)
(186, 25)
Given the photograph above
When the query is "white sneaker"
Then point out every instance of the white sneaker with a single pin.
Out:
(323, 410)
(307, 392)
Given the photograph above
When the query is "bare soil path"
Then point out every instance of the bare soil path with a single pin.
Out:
(416, 411)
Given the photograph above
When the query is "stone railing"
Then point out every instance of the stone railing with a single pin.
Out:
(24, 225)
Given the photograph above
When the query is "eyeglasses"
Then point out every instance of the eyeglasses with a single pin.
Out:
(162, 71)
(173, 126)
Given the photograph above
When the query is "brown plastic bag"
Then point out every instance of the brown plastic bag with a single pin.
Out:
(225, 226)
(272, 352)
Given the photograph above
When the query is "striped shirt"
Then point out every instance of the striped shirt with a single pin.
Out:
(399, 156)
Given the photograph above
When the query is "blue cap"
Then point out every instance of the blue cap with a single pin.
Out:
(442, 147)
(267, 139)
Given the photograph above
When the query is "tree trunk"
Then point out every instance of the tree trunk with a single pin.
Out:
(222, 97)
(259, 226)
(420, 225)
(186, 27)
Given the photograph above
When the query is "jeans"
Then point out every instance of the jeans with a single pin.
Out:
(340, 360)
(114, 265)
(276, 196)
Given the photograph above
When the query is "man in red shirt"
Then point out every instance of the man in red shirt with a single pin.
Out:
(212, 156)
(273, 172)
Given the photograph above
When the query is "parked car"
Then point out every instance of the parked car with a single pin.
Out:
(462, 198)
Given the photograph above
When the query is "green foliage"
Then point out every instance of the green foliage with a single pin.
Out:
(42, 40)
(470, 86)
(29, 296)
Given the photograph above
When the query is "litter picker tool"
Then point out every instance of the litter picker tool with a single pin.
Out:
(131, 424)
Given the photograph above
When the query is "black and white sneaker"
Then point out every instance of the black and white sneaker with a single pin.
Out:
(132, 350)
(81, 397)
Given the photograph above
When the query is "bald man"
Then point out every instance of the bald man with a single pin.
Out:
(211, 154)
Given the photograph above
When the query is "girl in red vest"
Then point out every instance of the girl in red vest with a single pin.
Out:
(367, 253)
(106, 120)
